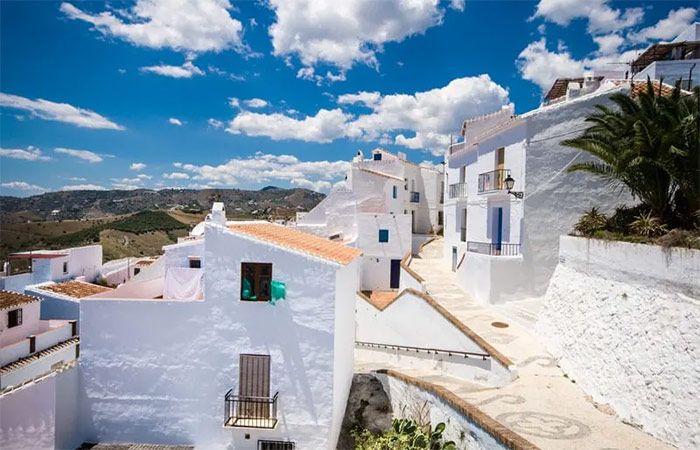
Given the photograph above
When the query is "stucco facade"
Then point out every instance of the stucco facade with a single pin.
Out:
(157, 371)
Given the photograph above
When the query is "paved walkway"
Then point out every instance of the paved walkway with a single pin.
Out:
(542, 405)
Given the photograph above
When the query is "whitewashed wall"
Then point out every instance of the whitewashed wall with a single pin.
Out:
(412, 402)
(623, 319)
(30, 323)
(157, 371)
(410, 321)
(377, 256)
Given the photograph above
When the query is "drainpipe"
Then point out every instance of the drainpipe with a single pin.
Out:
(690, 76)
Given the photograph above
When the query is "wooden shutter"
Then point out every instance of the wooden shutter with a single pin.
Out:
(254, 377)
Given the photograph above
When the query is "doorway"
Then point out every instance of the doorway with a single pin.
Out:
(395, 276)
(454, 259)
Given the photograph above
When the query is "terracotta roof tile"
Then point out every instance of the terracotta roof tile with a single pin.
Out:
(379, 299)
(7, 368)
(8, 299)
(75, 289)
(298, 240)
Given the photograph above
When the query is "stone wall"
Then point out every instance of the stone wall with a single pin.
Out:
(623, 319)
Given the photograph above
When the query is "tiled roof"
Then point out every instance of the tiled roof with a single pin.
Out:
(7, 368)
(640, 87)
(75, 289)
(381, 174)
(144, 262)
(379, 299)
(298, 240)
(9, 299)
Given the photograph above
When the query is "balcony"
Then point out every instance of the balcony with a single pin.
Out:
(493, 249)
(458, 190)
(454, 148)
(415, 197)
(493, 181)
(250, 412)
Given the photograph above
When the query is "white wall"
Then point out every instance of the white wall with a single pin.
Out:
(157, 371)
(30, 323)
(490, 279)
(623, 319)
(399, 227)
(410, 321)
(411, 402)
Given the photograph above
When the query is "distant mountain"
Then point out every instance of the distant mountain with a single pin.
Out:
(97, 204)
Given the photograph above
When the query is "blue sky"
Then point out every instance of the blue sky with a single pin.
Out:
(212, 93)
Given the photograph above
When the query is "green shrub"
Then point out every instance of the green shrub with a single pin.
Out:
(404, 435)
(646, 225)
(591, 222)
(620, 220)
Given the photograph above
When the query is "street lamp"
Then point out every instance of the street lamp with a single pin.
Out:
(510, 182)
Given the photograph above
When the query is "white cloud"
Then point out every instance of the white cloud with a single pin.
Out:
(23, 186)
(216, 124)
(60, 112)
(431, 115)
(187, 70)
(542, 67)
(175, 121)
(262, 168)
(137, 166)
(233, 102)
(77, 179)
(347, 32)
(457, 4)
(183, 25)
(601, 17)
(86, 155)
(256, 103)
(83, 187)
(325, 126)
(609, 43)
(176, 176)
(143, 176)
(30, 154)
(308, 73)
(667, 28)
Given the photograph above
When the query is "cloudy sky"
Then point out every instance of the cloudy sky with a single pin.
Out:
(219, 93)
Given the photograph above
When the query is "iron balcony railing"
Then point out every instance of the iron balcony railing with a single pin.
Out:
(493, 181)
(415, 197)
(250, 412)
(410, 349)
(463, 234)
(458, 190)
(493, 249)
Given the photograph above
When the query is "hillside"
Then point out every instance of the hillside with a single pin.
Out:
(73, 205)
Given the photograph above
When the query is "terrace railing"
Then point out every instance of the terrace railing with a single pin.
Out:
(250, 412)
(493, 249)
(458, 190)
(492, 181)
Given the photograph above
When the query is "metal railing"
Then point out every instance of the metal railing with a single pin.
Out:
(493, 249)
(250, 412)
(458, 190)
(435, 351)
(493, 181)
(415, 197)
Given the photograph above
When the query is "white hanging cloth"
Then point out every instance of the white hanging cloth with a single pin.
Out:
(183, 283)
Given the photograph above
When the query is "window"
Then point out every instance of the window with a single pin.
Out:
(377, 156)
(137, 270)
(275, 445)
(65, 267)
(395, 192)
(195, 263)
(440, 218)
(255, 281)
(383, 235)
(14, 318)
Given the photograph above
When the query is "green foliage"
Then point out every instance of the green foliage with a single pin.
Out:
(620, 220)
(591, 222)
(648, 145)
(649, 226)
(404, 435)
(141, 222)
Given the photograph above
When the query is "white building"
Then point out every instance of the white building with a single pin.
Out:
(388, 208)
(263, 357)
(40, 266)
(504, 247)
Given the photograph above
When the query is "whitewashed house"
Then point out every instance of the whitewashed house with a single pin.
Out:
(262, 360)
(40, 266)
(509, 196)
(388, 207)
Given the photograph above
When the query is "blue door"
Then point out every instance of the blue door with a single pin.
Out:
(395, 273)
(499, 229)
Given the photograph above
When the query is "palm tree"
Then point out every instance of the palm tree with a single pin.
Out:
(648, 145)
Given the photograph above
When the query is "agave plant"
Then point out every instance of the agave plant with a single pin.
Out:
(590, 222)
(404, 435)
(648, 226)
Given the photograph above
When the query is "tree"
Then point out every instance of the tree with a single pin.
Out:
(648, 145)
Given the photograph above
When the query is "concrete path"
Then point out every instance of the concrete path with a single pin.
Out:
(542, 405)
